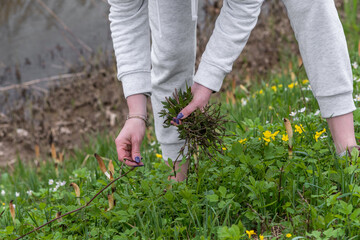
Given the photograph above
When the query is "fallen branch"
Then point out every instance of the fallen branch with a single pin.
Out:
(76, 210)
(36, 81)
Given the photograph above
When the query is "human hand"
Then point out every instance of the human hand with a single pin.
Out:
(201, 96)
(129, 140)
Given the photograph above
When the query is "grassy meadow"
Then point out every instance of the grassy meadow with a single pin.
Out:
(255, 190)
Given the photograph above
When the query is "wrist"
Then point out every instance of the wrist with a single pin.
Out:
(138, 116)
(137, 104)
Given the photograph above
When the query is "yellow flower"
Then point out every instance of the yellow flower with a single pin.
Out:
(299, 129)
(280, 86)
(274, 134)
(271, 108)
(267, 134)
(35, 208)
(158, 155)
(3, 204)
(318, 134)
(305, 81)
(291, 85)
(261, 237)
(285, 137)
(288, 235)
(242, 140)
(250, 233)
(274, 88)
(261, 92)
(224, 148)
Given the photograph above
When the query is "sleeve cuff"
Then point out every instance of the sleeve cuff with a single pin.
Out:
(332, 106)
(210, 76)
(136, 83)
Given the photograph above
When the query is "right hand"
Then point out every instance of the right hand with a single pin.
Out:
(201, 96)
(129, 140)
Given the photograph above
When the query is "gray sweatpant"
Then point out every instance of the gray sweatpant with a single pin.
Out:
(317, 28)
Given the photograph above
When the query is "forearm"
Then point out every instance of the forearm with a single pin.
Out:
(130, 31)
(232, 30)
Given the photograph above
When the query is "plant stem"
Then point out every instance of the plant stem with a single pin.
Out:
(76, 210)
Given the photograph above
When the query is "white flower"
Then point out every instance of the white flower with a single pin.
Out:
(302, 110)
(357, 98)
(267, 122)
(292, 114)
(29, 192)
(295, 118)
(63, 183)
(243, 102)
(357, 79)
(17, 194)
(14, 206)
(76, 175)
(307, 99)
(3, 192)
(355, 65)
(317, 112)
(51, 182)
(53, 189)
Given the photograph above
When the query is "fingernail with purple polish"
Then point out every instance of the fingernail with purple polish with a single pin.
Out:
(137, 159)
(179, 116)
(177, 121)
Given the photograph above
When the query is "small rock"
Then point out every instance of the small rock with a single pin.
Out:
(4, 118)
(65, 130)
(22, 132)
(111, 116)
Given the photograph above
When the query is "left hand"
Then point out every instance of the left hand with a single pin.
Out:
(201, 98)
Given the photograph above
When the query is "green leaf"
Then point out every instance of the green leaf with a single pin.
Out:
(345, 208)
(42, 206)
(222, 191)
(212, 198)
(241, 227)
(355, 214)
(9, 229)
(232, 233)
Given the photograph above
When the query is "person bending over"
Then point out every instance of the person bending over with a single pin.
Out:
(168, 63)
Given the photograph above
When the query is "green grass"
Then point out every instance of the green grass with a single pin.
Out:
(350, 22)
(254, 186)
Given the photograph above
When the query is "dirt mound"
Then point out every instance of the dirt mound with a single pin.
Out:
(66, 115)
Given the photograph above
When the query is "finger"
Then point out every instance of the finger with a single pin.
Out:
(135, 150)
(187, 111)
(124, 154)
(121, 149)
(131, 163)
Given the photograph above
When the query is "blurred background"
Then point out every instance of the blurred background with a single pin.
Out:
(58, 75)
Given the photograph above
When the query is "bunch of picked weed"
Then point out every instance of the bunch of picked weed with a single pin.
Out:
(203, 130)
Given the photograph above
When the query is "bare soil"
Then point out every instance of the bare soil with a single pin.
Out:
(67, 116)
